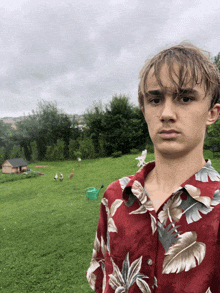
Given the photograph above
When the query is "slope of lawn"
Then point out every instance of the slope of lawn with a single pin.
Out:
(47, 227)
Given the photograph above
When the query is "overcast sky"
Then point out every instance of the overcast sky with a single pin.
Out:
(79, 52)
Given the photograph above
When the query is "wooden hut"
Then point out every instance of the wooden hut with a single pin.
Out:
(14, 166)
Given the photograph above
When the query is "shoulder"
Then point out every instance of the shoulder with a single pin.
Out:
(115, 189)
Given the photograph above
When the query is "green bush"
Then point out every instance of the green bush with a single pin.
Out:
(73, 147)
(34, 151)
(49, 153)
(216, 155)
(150, 148)
(16, 177)
(77, 154)
(117, 154)
(58, 151)
(87, 149)
(134, 151)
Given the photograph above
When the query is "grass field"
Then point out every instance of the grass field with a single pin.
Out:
(47, 228)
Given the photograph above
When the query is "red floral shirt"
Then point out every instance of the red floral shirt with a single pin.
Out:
(176, 249)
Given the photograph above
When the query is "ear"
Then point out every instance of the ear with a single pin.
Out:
(213, 114)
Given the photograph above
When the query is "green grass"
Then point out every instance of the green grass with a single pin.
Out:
(16, 177)
(47, 227)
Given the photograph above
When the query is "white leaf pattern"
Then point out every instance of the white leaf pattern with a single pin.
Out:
(130, 274)
(216, 198)
(195, 193)
(120, 290)
(138, 190)
(124, 182)
(153, 224)
(134, 269)
(91, 277)
(143, 286)
(170, 210)
(116, 204)
(191, 209)
(96, 246)
(140, 210)
(111, 224)
(207, 171)
(103, 246)
(181, 256)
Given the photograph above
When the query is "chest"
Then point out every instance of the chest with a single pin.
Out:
(157, 197)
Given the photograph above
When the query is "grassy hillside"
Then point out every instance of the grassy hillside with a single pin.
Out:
(47, 227)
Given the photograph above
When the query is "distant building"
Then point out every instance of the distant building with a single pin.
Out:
(14, 166)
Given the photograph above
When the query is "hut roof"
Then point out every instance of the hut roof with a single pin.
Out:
(17, 162)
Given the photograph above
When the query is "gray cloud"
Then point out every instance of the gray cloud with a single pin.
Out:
(77, 53)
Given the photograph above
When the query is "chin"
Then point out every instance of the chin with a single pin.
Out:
(172, 150)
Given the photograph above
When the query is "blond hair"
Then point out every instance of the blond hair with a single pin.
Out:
(195, 66)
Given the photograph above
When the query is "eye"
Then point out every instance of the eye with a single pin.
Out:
(186, 99)
(154, 101)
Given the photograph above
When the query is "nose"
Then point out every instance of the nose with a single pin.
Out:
(168, 111)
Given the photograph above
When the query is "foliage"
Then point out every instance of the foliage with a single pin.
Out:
(150, 147)
(58, 151)
(94, 125)
(217, 61)
(2, 155)
(46, 126)
(6, 132)
(134, 151)
(212, 139)
(120, 127)
(86, 148)
(16, 152)
(16, 177)
(34, 151)
(77, 154)
(49, 153)
(73, 147)
(117, 154)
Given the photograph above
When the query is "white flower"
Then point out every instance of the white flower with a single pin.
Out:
(141, 158)
(79, 159)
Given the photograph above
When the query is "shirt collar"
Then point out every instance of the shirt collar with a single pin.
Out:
(201, 186)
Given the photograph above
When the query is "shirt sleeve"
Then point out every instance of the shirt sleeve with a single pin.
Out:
(96, 272)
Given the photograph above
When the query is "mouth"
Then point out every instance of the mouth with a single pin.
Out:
(169, 134)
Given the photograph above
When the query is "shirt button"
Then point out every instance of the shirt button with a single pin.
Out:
(149, 262)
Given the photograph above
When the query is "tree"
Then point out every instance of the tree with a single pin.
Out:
(5, 132)
(73, 147)
(46, 125)
(59, 150)
(120, 127)
(217, 61)
(124, 126)
(2, 155)
(86, 148)
(16, 152)
(94, 126)
(49, 153)
(212, 139)
(34, 151)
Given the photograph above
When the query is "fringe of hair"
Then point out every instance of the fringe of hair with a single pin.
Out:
(195, 67)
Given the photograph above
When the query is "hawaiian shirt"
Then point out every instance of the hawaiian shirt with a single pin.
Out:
(176, 249)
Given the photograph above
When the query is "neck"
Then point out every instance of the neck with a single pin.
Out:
(171, 171)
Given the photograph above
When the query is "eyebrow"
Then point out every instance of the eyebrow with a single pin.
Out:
(187, 91)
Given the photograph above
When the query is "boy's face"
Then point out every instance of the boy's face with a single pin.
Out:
(187, 113)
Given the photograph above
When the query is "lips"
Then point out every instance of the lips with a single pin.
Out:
(169, 134)
(169, 131)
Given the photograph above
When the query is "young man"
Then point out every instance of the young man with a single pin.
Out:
(159, 230)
